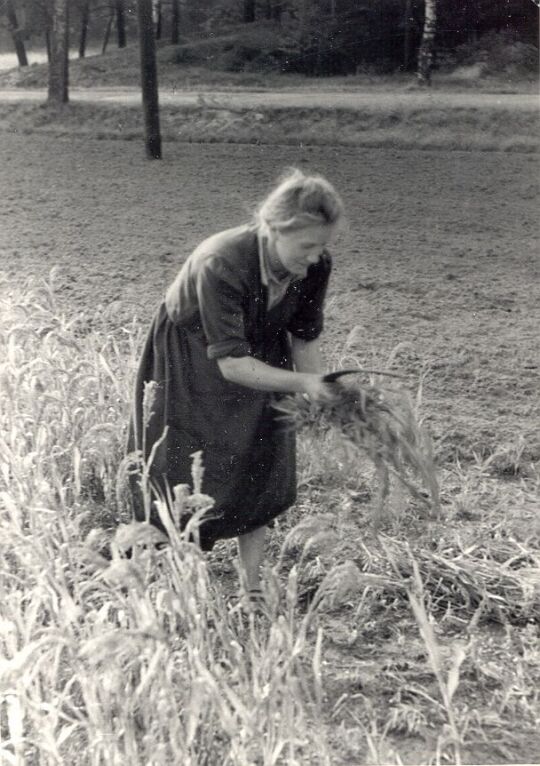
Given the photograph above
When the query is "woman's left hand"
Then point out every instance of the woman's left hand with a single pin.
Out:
(320, 391)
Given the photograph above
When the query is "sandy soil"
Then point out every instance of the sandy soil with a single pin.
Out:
(440, 251)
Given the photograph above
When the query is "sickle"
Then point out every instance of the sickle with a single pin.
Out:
(332, 377)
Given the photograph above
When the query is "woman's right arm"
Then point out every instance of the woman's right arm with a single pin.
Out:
(251, 372)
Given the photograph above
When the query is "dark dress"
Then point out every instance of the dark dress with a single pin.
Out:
(217, 307)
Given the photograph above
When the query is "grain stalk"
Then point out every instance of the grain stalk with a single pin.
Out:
(449, 685)
(107, 659)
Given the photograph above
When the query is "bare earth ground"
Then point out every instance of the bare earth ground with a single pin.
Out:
(441, 249)
(440, 253)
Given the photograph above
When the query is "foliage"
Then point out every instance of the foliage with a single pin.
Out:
(319, 38)
(314, 38)
(496, 53)
(340, 37)
(35, 17)
(255, 47)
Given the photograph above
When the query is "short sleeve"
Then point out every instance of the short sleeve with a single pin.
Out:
(221, 299)
(307, 321)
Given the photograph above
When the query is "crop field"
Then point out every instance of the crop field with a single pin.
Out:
(390, 638)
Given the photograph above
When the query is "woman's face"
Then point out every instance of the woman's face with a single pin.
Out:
(298, 249)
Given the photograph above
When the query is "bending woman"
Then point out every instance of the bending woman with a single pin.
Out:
(239, 327)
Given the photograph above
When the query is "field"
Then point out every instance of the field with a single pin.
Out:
(411, 641)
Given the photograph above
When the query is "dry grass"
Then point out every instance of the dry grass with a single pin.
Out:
(466, 128)
(420, 646)
(104, 658)
(380, 422)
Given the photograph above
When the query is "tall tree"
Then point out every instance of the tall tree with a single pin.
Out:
(427, 45)
(120, 23)
(407, 20)
(48, 43)
(274, 9)
(175, 22)
(158, 19)
(249, 11)
(107, 34)
(13, 24)
(149, 82)
(59, 44)
(85, 20)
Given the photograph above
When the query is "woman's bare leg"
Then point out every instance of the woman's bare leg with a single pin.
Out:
(251, 554)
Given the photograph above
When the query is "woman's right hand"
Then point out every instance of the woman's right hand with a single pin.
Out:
(320, 391)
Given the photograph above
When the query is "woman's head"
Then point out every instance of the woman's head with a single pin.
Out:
(300, 217)
(301, 200)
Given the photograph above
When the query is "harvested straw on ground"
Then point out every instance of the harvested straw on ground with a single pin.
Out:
(382, 424)
(462, 583)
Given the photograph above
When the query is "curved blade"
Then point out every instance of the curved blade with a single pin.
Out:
(332, 377)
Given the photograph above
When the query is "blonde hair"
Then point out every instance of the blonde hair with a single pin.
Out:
(300, 200)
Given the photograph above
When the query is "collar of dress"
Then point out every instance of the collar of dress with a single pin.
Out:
(276, 285)
(269, 276)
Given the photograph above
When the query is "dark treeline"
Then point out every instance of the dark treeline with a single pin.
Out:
(317, 37)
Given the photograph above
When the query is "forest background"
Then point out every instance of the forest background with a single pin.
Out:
(323, 37)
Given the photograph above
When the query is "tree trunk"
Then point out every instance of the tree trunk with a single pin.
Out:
(85, 18)
(16, 33)
(425, 54)
(303, 13)
(58, 66)
(120, 24)
(48, 44)
(249, 11)
(158, 19)
(149, 83)
(175, 22)
(407, 19)
(107, 33)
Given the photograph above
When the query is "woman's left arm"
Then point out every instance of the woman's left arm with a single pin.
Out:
(307, 355)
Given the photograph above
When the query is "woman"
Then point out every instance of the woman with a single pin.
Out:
(239, 327)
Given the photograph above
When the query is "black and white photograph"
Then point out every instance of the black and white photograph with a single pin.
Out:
(269, 383)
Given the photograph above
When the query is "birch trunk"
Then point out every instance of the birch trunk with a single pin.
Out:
(58, 64)
(425, 53)
(158, 19)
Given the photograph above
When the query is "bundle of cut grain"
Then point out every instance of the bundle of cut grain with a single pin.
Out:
(382, 423)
